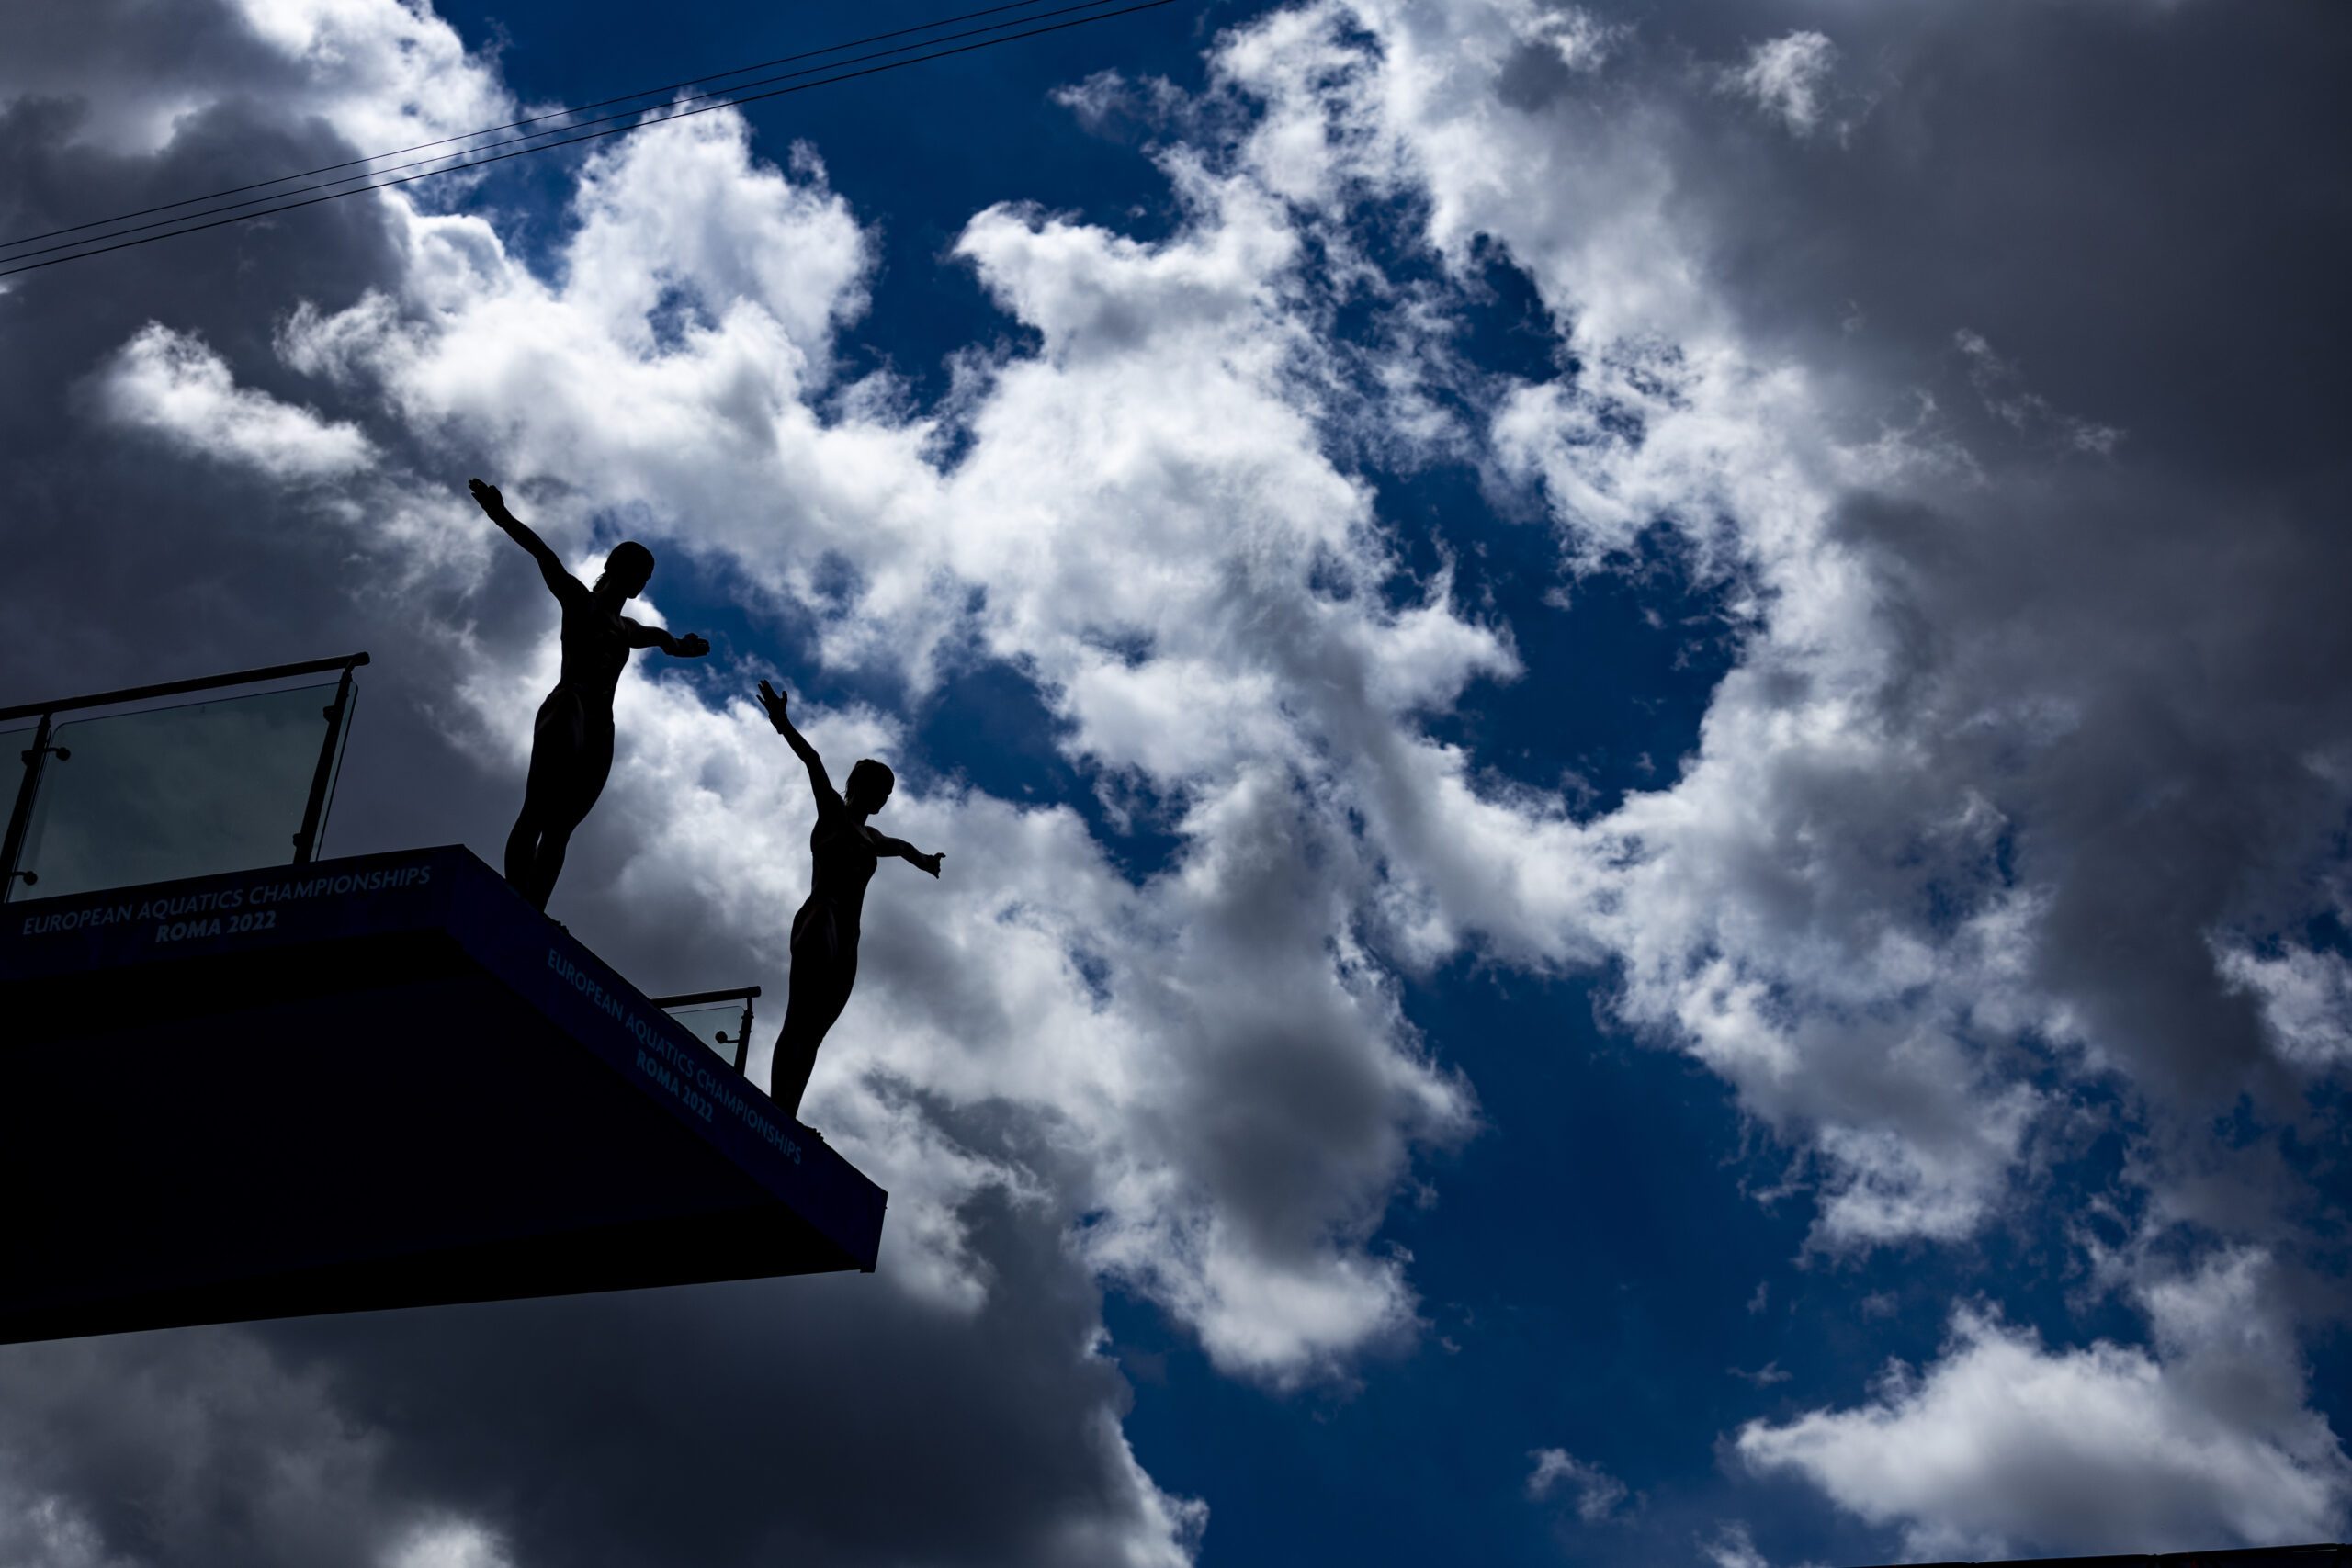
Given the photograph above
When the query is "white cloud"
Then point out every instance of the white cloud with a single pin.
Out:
(1733, 1547)
(174, 386)
(385, 76)
(675, 223)
(1582, 39)
(48, 1531)
(448, 1543)
(2306, 1000)
(380, 77)
(2004, 1446)
(2005, 397)
(1785, 76)
(1599, 1494)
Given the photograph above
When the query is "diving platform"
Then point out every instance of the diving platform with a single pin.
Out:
(378, 1081)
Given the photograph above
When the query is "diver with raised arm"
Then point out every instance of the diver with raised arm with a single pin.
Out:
(843, 853)
(572, 740)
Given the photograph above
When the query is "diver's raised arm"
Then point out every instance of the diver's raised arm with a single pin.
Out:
(774, 700)
(885, 844)
(560, 583)
(691, 646)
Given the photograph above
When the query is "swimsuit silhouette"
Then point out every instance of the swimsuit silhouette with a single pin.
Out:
(843, 851)
(572, 740)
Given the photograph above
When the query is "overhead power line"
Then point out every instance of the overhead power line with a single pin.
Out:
(528, 119)
(457, 163)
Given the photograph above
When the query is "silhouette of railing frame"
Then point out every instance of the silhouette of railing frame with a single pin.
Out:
(36, 757)
(745, 994)
(2322, 1555)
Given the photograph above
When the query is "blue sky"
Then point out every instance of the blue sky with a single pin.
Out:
(1714, 848)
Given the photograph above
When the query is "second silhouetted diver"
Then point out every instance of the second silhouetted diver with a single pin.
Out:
(572, 740)
(843, 853)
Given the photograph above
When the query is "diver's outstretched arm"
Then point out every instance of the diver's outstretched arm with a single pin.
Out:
(774, 700)
(884, 844)
(560, 583)
(691, 646)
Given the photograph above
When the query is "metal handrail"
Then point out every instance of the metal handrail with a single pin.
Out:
(36, 757)
(742, 1041)
(173, 688)
(694, 998)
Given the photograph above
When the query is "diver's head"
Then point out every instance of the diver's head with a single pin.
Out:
(870, 784)
(626, 571)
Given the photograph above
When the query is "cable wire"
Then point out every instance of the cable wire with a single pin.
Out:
(665, 111)
(529, 119)
(590, 136)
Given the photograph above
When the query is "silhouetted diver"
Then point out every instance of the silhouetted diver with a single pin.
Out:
(572, 740)
(843, 853)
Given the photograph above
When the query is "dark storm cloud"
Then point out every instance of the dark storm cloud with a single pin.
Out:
(128, 563)
(2194, 641)
(131, 562)
(2140, 210)
(2142, 204)
(100, 536)
(112, 53)
(832, 1420)
(2106, 241)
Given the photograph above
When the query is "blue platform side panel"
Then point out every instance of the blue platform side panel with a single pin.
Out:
(296, 924)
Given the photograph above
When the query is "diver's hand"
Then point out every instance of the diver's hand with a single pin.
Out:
(691, 646)
(774, 700)
(489, 498)
(929, 862)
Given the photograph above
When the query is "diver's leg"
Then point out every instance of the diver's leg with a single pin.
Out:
(812, 1007)
(547, 865)
(819, 989)
(555, 737)
(796, 1058)
(523, 848)
(573, 791)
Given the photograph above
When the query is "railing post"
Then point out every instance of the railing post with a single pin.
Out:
(743, 1036)
(306, 842)
(20, 819)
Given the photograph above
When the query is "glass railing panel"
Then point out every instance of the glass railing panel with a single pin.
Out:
(708, 1020)
(185, 791)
